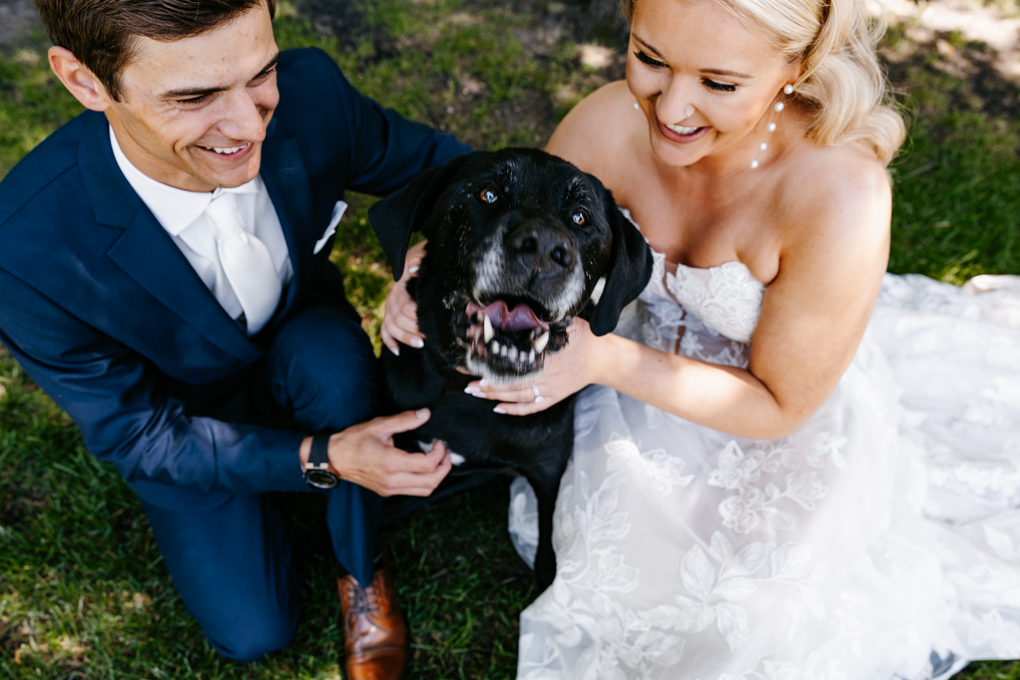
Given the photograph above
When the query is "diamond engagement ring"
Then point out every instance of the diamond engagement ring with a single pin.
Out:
(534, 389)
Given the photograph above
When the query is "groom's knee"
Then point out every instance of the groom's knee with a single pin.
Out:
(325, 371)
(252, 637)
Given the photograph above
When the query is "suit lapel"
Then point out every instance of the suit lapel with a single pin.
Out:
(146, 252)
(286, 180)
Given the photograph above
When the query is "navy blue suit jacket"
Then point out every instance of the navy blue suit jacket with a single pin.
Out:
(104, 312)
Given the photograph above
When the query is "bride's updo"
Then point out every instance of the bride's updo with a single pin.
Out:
(841, 79)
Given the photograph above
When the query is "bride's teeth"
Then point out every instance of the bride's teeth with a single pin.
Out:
(488, 328)
(681, 130)
(541, 342)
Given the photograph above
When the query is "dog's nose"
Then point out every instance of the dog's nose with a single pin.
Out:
(542, 247)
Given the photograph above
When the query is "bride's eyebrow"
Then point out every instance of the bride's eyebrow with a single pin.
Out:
(648, 47)
(724, 72)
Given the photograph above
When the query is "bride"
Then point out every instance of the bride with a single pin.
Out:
(773, 477)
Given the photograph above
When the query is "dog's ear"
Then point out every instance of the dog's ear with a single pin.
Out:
(394, 218)
(630, 267)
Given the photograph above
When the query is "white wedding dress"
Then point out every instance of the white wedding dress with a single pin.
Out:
(880, 541)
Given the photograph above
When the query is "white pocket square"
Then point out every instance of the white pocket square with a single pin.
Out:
(338, 212)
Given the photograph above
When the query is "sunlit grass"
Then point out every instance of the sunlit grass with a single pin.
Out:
(83, 592)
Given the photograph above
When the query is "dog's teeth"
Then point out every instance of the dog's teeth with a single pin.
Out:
(495, 348)
(488, 328)
(512, 353)
(541, 342)
(531, 356)
(502, 352)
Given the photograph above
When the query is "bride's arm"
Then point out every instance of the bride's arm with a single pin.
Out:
(813, 317)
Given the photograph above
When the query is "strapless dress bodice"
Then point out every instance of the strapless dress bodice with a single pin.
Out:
(726, 298)
(707, 314)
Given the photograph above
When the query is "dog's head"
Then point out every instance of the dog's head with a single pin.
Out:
(519, 241)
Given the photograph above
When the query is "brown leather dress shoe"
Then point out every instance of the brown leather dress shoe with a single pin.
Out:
(375, 636)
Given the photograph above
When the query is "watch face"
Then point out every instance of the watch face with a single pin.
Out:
(321, 479)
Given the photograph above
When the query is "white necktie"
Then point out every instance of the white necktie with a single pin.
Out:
(246, 262)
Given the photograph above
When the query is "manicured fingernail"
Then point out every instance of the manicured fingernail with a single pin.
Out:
(422, 413)
(413, 269)
(499, 411)
(483, 383)
(395, 350)
(418, 342)
(473, 391)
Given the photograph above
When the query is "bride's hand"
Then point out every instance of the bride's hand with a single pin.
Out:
(569, 370)
(400, 313)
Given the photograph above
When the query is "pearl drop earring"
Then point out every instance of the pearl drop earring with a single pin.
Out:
(779, 106)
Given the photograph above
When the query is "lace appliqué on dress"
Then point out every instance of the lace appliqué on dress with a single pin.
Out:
(716, 316)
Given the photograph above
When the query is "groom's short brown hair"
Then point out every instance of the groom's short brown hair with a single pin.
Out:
(99, 33)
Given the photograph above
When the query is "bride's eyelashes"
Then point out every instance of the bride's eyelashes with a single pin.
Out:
(647, 60)
(717, 86)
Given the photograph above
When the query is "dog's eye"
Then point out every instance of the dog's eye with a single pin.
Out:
(580, 218)
(488, 195)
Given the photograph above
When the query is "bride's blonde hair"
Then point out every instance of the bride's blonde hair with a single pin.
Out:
(841, 79)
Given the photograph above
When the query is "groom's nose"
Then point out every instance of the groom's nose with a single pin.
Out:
(247, 113)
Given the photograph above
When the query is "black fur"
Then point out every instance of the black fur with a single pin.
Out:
(525, 248)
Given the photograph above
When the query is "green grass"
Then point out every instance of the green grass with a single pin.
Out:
(956, 212)
(83, 591)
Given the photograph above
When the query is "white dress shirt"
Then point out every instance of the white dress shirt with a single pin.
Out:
(182, 214)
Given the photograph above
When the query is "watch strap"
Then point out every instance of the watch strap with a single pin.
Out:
(319, 455)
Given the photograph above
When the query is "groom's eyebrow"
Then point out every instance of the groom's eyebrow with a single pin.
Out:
(199, 91)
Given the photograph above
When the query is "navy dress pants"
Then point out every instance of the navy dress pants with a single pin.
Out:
(228, 554)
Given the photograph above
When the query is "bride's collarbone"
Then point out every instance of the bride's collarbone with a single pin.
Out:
(704, 241)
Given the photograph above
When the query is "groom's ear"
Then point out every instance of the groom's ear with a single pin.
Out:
(395, 217)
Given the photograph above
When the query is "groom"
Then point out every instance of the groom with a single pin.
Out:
(164, 276)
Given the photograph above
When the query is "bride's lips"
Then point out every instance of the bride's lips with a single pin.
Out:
(677, 137)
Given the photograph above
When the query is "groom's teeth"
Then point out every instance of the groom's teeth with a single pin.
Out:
(226, 149)
(541, 342)
(488, 328)
(681, 130)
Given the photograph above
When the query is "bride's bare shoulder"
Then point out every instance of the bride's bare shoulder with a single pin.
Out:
(597, 129)
(838, 198)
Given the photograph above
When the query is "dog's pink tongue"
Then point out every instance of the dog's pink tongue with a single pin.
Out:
(520, 318)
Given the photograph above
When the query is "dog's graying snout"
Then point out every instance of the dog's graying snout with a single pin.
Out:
(542, 247)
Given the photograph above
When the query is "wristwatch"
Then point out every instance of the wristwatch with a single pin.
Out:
(318, 475)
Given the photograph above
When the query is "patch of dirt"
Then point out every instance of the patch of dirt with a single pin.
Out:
(345, 21)
(18, 19)
(983, 87)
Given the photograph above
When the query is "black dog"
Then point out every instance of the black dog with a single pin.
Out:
(517, 243)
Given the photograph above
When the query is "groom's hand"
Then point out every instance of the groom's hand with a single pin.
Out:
(365, 455)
